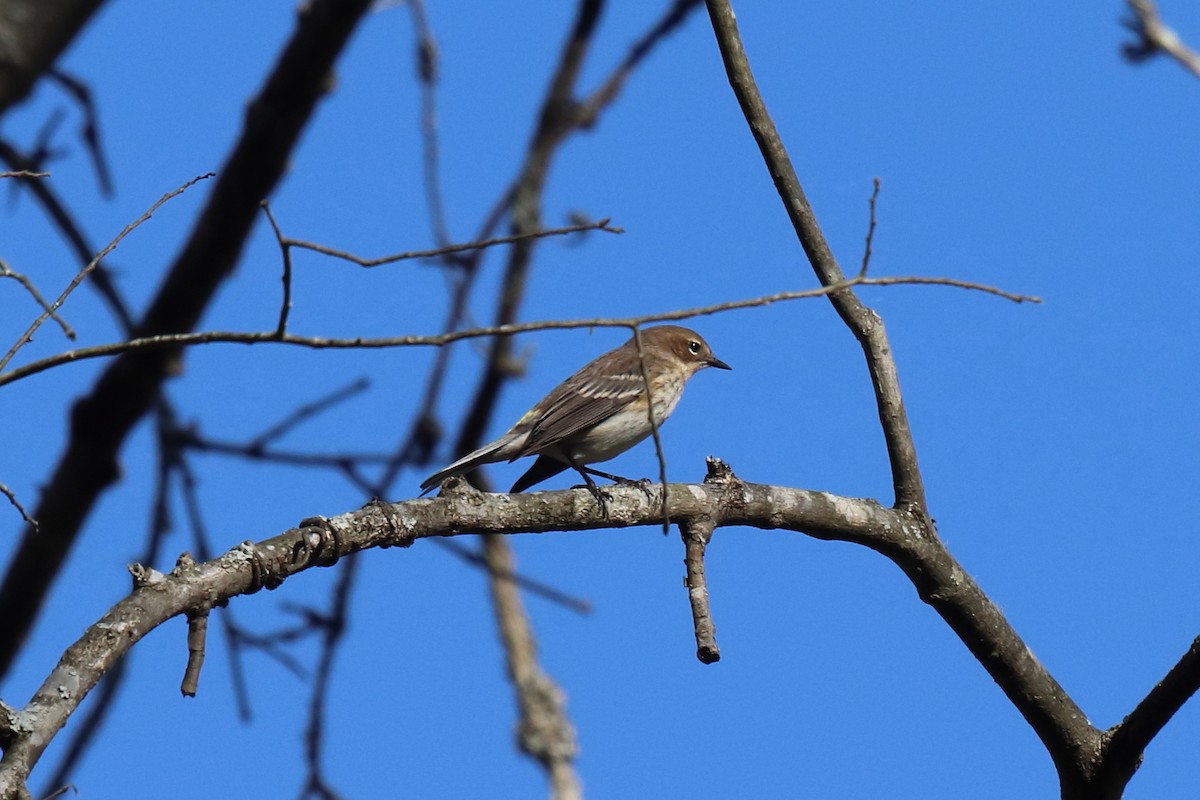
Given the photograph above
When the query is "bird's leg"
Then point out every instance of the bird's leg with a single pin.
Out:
(643, 484)
(595, 490)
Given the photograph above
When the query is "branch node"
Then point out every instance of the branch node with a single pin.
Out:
(402, 527)
(145, 576)
(183, 563)
(719, 473)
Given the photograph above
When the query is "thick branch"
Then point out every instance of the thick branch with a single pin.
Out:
(939, 579)
(102, 420)
(1126, 742)
(864, 323)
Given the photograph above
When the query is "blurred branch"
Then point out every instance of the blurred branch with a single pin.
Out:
(129, 386)
(319, 342)
(602, 225)
(332, 629)
(32, 35)
(427, 77)
(1155, 38)
(544, 732)
(90, 133)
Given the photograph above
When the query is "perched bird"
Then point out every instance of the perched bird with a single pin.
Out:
(599, 412)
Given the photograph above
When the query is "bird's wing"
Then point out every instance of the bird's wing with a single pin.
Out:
(583, 400)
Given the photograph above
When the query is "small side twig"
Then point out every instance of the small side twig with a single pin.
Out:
(7, 272)
(12, 498)
(196, 639)
(696, 534)
(601, 225)
(866, 259)
(285, 305)
(309, 410)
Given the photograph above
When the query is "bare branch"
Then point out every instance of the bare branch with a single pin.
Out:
(285, 305)
(1155, 37)
(12, 498)
(864, 324)
(197, 639)
(1125, 742)
(866, 259)
(602, 225)
(521, 581)
(427, 77)
(24, 173)
(6, 272)
(896, 534)
(544, 732)
(90, 132)
(321, 342)
(83, 273)
(696, 534)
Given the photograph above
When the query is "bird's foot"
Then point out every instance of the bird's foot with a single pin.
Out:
(602, 497)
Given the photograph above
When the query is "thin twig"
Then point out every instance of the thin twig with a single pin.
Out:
(427, 77)
(308, 411)
(658, 447)
(285, 305)
(320, 342)
(602, 225)
(866, 260)
(6, 272)
(24, 173)
(12, 498)
(83, 273)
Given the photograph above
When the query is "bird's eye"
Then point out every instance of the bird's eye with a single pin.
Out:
(694, 347)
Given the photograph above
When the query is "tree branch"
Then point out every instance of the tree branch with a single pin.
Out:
(1155, 37)
(321, 342)
(102, 420)
(864, 323)
(896, 534)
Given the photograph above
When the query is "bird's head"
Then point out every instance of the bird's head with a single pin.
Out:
(683, 344)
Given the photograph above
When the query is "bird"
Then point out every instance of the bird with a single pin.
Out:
(597, 413)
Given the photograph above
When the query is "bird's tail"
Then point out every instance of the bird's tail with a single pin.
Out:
(484, 455)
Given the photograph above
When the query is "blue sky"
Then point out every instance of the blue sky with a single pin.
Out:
(1016, 148)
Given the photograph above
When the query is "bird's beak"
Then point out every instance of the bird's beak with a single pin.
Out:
(718, 363)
